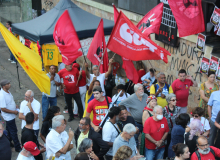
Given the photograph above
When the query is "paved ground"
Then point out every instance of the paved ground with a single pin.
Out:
(9, 71)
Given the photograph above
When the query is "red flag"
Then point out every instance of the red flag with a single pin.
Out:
(116, 14)
(128, 41)
(97, 48)
(130, 70)
(150, 23)
(66, 39)
(188, 15)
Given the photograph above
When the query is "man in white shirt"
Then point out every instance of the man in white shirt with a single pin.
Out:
(54, 141)
(52, 98)
(29, 151)
(9, 112)
(99, 76)
(30, 105)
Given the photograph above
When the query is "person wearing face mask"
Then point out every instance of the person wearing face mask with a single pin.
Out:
(177, 133)
(84, 130)
(161, 89)
(181, 151)
(111, 130)
(5, 149)
(136, 103)
(205, 152)
(156, 130)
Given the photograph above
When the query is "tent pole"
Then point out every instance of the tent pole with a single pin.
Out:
(18, 74)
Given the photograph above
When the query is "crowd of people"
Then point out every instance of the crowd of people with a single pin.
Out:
(147, 120)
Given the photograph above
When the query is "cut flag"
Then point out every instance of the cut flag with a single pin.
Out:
(130, 70)
(97, 48)
(127, 65)
(28, 59)
(128, 41)
(66, 39)
(188, 15)
(150, 23)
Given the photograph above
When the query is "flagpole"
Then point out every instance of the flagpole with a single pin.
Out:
(18, 74)
(102, 58)
(150, 63)
(83, 54)
(80, 70)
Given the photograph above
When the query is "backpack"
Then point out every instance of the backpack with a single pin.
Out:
(167, 85)
(199, 157)
(110, 82)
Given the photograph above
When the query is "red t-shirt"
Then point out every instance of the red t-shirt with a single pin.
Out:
(70, 79)
(208, 156)
(82, 81)
(181, 90)
(99, 110)
(156, 130)
(141, 73)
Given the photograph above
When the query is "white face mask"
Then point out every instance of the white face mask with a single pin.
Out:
(159, 117)
(205, 151)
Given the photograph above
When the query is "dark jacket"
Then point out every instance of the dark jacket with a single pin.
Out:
(100, 147)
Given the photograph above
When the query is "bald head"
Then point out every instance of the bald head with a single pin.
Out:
(202, 139)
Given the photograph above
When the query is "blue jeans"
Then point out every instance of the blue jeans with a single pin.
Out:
(140, 126)
(154, 154)
(12, 133)
(46, 101)
(12, 57)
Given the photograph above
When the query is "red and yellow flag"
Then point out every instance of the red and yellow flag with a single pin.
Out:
(28, 59)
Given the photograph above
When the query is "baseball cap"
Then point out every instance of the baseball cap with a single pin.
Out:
(32, 148)
(97, 88)
(4, 82)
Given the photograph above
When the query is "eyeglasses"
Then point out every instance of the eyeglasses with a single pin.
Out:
(81, 124)
(204, 145)
(196, 116)
(173, 100)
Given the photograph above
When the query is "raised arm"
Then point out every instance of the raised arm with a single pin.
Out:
(87, 71)
(109, 68)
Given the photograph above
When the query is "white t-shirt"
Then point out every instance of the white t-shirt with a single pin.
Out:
(64, 137)
(109, 134)
(25, 110)
(54, 144)
(120, 98)
(101, 79)
(7, 101)
(203, 120)
(53, 87)
(21, 157)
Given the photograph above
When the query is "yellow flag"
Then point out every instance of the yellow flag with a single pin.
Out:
(28, 59)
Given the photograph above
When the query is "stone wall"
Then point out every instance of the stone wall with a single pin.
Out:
(186, 56)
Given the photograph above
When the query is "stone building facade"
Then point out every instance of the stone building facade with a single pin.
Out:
(186, 56)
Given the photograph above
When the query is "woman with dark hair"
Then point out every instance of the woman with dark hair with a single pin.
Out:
(82, 156)
(198, 113)
(181, 151)
(111, 130)
(205, 91)
(47, 123)
(141, 70)
(177, 133)
(148, 79)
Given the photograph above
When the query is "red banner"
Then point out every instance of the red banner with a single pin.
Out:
(188, 15)
(130, 70)
(128, 41)
(150, 23)
(97, 48)
(66, 39)
(116, 13)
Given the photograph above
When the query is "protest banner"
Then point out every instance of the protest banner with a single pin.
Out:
(213, 64)
(204, 66)
(200, 44)
(215, 16)
(217, 77)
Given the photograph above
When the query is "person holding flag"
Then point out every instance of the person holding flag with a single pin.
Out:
(99, 76)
